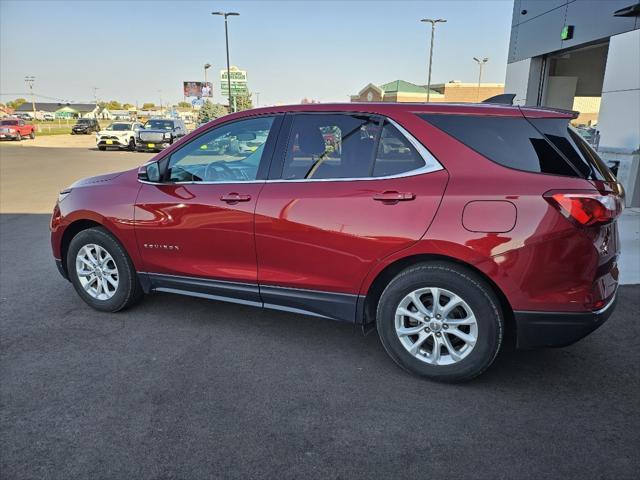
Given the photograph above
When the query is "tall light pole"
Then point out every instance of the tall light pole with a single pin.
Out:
(29, 80)
(226, 36)
(481, 63)
(161, 111)
(207, 66)
(433, 32)
(257, 94)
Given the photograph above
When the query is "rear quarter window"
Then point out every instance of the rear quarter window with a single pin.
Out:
(510, 141)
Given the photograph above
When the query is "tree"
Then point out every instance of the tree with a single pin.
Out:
(127, 106)
(114, 105)
(16, 103)
(184, 105)
(210, 111)
(148, 106)
(243, 102)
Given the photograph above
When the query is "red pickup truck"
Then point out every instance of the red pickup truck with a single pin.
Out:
(16, 129)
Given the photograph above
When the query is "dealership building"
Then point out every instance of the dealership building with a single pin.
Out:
(583, 55)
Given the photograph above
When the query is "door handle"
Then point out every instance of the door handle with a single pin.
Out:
(393, 197)
(235, 197)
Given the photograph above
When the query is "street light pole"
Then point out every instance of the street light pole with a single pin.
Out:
(481, 64)
(257, 94)
(29, 80)
(206, 67)
(433, 33)
(226, 36)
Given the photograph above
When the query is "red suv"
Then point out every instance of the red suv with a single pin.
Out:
(439, 225)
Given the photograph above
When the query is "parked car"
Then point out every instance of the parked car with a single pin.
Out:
(159, 133)
(118, 135)
(85, 126)
(48, 117)
(489, 219)
(16, 129)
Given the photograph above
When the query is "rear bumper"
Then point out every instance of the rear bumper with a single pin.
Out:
(558, 329)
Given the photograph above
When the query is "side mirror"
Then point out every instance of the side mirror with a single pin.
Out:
(149, 173)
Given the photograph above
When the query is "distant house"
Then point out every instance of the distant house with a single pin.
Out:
(396, 91)
(61, 110)
(403, 91)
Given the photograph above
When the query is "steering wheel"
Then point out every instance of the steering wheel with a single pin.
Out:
(219, 171)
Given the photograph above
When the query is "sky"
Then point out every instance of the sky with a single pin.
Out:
(142, 51)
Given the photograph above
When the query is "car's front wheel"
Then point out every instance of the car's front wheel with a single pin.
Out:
(132, 145)
(101, 271)
(18, 137)
(32, 135)
(440, 321)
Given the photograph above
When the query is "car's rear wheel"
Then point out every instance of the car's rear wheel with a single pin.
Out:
(32, 135)
(101, 271)
(440, 321)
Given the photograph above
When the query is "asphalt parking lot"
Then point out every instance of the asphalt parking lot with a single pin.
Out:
(186, 388)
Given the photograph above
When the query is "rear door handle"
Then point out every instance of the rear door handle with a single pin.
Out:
(394, 197)
(235, 197)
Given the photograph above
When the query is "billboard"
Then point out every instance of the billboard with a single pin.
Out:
(197, 89)
(238, 82)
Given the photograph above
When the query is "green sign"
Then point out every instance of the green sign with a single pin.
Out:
(567, 32)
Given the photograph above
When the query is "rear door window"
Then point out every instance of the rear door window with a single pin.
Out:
(509, 141)
(324, 146)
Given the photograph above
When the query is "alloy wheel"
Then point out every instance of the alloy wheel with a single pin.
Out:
(97, 271)
(436, 326)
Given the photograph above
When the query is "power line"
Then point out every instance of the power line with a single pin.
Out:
(35, 95)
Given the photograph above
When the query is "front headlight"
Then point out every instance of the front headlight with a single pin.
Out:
(167, 135)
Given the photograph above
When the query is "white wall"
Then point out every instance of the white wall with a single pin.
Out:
(517, 80)
(523, 79)
(619, 121)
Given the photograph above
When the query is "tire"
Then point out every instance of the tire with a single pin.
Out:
(132, 145)
(102, 148)
(32, 135)
(18, 137)
(480, 312)
(128, 289)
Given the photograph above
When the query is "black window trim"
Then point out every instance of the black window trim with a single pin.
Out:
(431, 163)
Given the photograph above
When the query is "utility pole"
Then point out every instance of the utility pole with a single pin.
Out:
(161, 111)
(257, 94)
(226, 36)
(433, 33)
(95, 94)
(29, 80)
(481, 63)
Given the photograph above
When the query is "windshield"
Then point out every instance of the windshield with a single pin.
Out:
(119, 127)
(84, 120)
(9, 122)
(158, 125)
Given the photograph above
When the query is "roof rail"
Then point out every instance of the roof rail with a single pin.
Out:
(504, 99)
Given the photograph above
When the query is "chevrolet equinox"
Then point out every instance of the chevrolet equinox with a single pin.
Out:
(439, 225)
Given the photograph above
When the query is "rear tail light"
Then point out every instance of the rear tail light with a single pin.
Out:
(586, 208)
